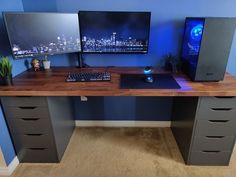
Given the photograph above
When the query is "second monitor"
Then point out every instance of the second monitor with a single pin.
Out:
(114, 32)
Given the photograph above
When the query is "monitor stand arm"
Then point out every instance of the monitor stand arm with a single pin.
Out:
(81, 61)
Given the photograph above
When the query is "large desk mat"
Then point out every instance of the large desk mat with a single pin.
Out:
(137, 81)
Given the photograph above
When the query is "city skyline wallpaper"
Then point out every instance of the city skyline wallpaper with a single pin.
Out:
(124, 32)
(33, 34)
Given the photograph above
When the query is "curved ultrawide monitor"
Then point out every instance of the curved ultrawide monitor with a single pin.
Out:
(114, 32)
(36, 34)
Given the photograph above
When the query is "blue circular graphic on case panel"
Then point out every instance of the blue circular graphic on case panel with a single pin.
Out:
(196, 32)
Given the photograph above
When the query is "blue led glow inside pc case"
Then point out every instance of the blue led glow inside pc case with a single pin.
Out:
(192, 40)
(206, 47)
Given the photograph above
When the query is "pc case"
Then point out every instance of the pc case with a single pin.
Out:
(206, 47)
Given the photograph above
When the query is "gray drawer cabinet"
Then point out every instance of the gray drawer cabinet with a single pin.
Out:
(40, 127)
(205, 129)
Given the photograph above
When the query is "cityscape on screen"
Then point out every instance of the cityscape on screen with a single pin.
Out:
(40, 34)
(61, 45)
(114, 43)
(114, 32)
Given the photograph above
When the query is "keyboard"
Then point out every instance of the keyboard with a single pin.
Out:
(88, 77)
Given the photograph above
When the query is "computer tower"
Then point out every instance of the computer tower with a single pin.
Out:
(206, 47)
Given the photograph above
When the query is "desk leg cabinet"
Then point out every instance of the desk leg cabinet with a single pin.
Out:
(40, 127)
(205, 129)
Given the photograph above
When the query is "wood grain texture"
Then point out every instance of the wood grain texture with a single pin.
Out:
(52, 83)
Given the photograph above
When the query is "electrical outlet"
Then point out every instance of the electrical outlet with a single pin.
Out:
(84, 98)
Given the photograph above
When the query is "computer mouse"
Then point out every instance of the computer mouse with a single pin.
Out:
(149, 79)
(147, 70)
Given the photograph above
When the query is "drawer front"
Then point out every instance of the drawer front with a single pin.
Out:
(33, 141)
(37, 155)
(218, 102)
(208, 143)
(217, 108)
(24, 101)
(26, 112)
(30, 126)
(216, 113)
(209, 158)
(216, 128)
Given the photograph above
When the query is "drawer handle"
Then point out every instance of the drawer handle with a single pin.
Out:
(27, 107)
(38, 149)
(218, 121)
(211, 151)
(29, 119)
(33, 134)
(215, 137)
(227, 97)
(221, 109)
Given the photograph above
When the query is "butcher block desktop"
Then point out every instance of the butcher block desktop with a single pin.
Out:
(52, 83)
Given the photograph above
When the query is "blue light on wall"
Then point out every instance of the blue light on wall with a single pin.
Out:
(196, 32)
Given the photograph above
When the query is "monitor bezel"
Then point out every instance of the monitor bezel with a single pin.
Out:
(37, 55)
(149, 28)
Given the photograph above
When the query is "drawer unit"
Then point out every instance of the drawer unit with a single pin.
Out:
(24, 101)
(40, 126)
(211, 143)
(38, 155)
(216, 158)
(215, 127)
(214, 135)
(211, 124)
(30, 126)
(26, 112)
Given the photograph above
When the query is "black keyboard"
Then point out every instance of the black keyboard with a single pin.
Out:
(88, 77)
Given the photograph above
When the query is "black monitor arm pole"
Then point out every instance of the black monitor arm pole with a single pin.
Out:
(81, 61)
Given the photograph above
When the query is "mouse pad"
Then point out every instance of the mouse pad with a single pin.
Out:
(137, 81)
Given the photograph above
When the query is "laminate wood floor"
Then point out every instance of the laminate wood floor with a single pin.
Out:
(123, 152)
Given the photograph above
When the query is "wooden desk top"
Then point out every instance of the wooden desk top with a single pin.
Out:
(52, 83)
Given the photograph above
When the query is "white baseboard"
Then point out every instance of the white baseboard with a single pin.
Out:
(7, 171)
(102, 123)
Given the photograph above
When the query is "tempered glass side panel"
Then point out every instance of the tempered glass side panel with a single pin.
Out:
(192, 40)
